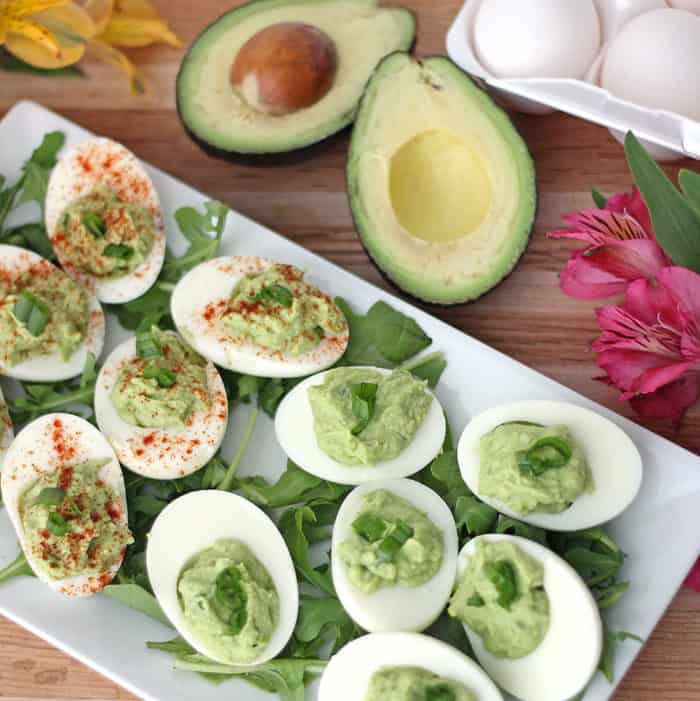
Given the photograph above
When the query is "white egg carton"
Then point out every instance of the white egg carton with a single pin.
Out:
(666, 134)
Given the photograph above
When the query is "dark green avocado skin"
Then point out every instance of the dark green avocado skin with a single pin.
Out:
(275, 158)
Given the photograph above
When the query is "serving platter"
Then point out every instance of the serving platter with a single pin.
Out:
(660, 532)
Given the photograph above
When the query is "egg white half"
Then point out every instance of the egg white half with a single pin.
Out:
(294, 427)
(397, 608)
(49, 367)
(100, 161)
(347, 676)
(614, 461)
(564, 662)
(160, 453)
(6, 431)
(46, 445)
(195, 522)
(209, 287)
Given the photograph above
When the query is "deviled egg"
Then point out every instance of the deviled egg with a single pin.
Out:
(64, 492)
(6, 432)
(371, 667)
(258, 317)
(356, 424)
(48, 322)
(532, 622)
(394, 555)
(223, 576)
(104, 220)
(551, 464)
(162, 407)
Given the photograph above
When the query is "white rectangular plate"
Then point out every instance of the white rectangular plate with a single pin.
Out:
(660, 532)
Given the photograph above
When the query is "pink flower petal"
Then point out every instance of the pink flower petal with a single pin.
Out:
(625, 367)
(649, 301)
(581, 279)
(693, 579)
(629, 260)
(600, 226)
(669, 402)
(658, 377)
(633, 203)
(684, 285)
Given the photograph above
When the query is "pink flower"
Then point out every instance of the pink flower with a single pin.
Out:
(693, 579)
(621, 248)
(650, 346)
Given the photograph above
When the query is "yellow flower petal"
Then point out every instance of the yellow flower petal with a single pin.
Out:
(23, 8)
(138, 9)
(108, 54)
(100, 11)
(131, 32)
(38, 55)
(33, 33)
(70, 22)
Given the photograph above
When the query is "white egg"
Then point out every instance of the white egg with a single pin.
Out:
(48, 444)
(6, 432)
(204, 292)
(103, 162)
(348, 674)
(50, 367)
(688, 5)
(613, 459)
(160, 453)
(653, 62)
(294, 427)
(536, 38)
(195, 522)
(616, 14)
(397, 608)
(563, 663)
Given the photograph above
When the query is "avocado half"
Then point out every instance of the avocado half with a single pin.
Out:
(441, 185)
(218, 117)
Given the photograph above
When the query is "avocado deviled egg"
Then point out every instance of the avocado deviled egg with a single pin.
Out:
(161, 405)
(394, 555)
(355, 424)
(222, 574)
(531, 620)
(64, 492)
(552, 464)
(104, 220)
(257, 317)
(404, 667)
(48, 322)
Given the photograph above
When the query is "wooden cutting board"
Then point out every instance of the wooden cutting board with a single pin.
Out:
(526, 317)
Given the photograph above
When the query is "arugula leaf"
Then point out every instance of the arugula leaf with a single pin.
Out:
(273, 391)
(599, 200)
(295, 525)
(506, 524)
(151, 309)
(676, 222)
(427, 367)
(398, 337)
(36, 170)
(443, 476)
(607, 657)
(362, 348)
(364, 396)
(138, 598)
(32, 236)
(18, 567)
(321, 620)
(475, 517)
(451, 631)
(607, 596)
(690, 184)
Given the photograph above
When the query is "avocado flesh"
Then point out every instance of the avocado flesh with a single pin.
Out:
(441, 185)
(214, 112)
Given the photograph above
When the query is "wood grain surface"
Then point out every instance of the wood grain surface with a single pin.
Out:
(526, 317)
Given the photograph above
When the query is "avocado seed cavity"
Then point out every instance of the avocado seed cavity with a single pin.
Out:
(284, 68)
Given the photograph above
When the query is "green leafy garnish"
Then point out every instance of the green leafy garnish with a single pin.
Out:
(275, 293)
(138, 598)
(231, 599)
(476, 600)
(120, 251)
(511, 526)
(32, 312)
(164, 377)
(370, 527)
(57, 524)
(474, 517)
(547, 453)
(427, 367)
(502, 575)
(95, 224)
(19, 567)
(321, 620)
(148, 345)
(50, 496)
(607, 657)
(393, 541)
(364, 397)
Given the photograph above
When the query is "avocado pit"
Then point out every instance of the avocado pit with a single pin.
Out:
(284, 68)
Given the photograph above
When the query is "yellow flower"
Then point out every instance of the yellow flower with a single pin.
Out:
(57, 33)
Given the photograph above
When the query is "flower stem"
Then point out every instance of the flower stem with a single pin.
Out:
(19, 566)
(227, 481)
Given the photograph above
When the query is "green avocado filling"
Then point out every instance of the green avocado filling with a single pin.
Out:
(276, 309)
(533, 468)
(501, 597)
(42, 311)
(103, 235)
(163, 384)
(71, 522)
(229, 601)
(362, 417)
(414, 684)
(391, 543)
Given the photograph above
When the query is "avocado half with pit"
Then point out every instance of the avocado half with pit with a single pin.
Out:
(272, 76)
(441, 185)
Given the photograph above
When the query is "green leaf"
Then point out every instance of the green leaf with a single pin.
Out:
(11, 64)
(364, 397)
(46, 154)
(56, 524)
(362, 348)
(37, 169)
(502, 575)
(443, 476)
(50, 496)
(428, 367)
(142, 313)
(607, 596)
(599, 200)
(506, 524)
(321, 620)
(19, 567)
(138, 598)
(273, 391)
(176, 646)
(275, 293)
(607, 657)
(398, 337)
(32, 236)
(690, 184)
(147, 504)
(676, 223)
(475, 517)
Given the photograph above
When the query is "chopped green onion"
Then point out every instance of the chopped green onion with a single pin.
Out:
(476, 601)
(394, 541)
(364, 399)
(56, 524)
(231, 599)
(50, 496)
(370, 527)
(275, 293)
(502, 575)
(118, 250)
(32, 312)
(440, 692)
(147, 345)
(163, 376)
(547, 453)
(95, 224)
